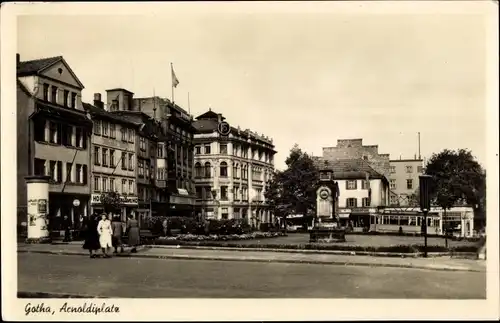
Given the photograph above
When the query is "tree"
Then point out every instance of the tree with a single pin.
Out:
(457, 177)
(294, 189)
(111, 202)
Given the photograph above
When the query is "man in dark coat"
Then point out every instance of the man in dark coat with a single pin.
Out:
(67, 229)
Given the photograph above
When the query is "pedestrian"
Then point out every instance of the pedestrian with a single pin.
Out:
(165, 227)
(133, 232)
(105, 235)
(91, 236)
(67, 229)
(117, 227)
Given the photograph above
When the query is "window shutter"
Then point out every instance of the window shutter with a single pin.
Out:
(84, 171)
(355, 185)
(346, 185)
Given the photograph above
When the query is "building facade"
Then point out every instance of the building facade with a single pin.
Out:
(113, 158)
(362, 191)
(354, 149)
(231, 172)
(404, 181)
(53, 138)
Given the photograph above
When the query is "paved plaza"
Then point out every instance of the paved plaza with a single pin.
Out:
(163, 278)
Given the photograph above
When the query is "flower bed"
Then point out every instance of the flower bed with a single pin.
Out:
(215, 237)
(414, 234)
(224, 241)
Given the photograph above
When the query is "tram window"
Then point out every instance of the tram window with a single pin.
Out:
(403, 220)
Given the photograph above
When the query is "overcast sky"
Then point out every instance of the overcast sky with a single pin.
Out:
(307, 78)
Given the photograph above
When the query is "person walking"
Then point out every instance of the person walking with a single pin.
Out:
(133, 232)
(91, 236)
(117, 228)
(105, 235)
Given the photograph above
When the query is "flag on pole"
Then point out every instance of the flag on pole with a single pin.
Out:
(175, 80)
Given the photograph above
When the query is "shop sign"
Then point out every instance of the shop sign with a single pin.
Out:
(344, 210)
(124, 200)
(362, 210)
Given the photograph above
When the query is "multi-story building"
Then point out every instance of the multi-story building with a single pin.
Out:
(164, 153)
(174, 153)
(53, 137)
(113, 157)
(404, 180)
(231, 172)
(362, 190)
(354, 149)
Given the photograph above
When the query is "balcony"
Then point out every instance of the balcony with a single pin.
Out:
(161, 183)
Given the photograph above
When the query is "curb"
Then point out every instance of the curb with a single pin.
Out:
(326, 252)
(24, 294)
(260, 260)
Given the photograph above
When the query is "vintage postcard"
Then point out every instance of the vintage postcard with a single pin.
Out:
(250, 160)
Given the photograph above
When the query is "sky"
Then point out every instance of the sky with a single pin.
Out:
(301, 77)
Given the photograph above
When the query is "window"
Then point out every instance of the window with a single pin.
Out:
(112, 185)
(235, 193)
(130, 161)
(105, 128)
(68, 172)
(104, 184)
(409, 184)
(352, 202)
(79, 175)
(394, 200)
(124, 134)
(160, 151)
(365, 184)
(351, 185)
(52, 170)
(45, 92)
(197, 170)
(97, 127)
(199, 192)
(131, 135)
(73, 100)
(84, 173)
(409, 169)
(130, 186)
(114, 105)
(112, 130)
(207, 149)
(112, 158)
(142, 144)
(365, 202)
(420, 169)
(59, 178)
(80, 139)
(66, 98)
(224, 213)
(140, 165)
(223, 193)
(39, 166)
(235, 171)
(197, 150)
(53, 97)
(124, 160)
(208, 171)
(393, 184)
(67, 135)
(223, 149)
(104, 157)
(124, 186)
(393, 169)
(53, 132)
(223, 169)
(97, 181)
(97, 156)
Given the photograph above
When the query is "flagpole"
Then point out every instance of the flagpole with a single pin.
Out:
(172, 75)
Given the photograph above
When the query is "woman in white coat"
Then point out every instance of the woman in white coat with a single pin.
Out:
(105, 235)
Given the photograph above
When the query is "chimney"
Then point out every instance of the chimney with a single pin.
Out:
(97, 101)
(18, 58)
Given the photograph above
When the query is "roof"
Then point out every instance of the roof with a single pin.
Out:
(405, 160)
(95, 111)
(205, 125)
(34, 66)
(120, 89)
(209, 115)
(37, 66)
(347, 168)
(56, 112)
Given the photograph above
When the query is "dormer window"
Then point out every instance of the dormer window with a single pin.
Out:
(53, 97)
(45, 92)
(66, 98)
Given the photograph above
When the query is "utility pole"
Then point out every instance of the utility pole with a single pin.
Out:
(425, 204)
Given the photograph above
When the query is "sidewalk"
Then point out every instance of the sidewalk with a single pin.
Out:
(171, 252)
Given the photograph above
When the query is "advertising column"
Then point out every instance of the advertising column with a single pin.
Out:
(38, 206)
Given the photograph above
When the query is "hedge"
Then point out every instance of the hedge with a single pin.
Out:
(312, 246)
(187, 225)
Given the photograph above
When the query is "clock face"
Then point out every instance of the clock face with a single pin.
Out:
(324, 194)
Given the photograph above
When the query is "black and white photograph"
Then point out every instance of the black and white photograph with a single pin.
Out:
(255, 152)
